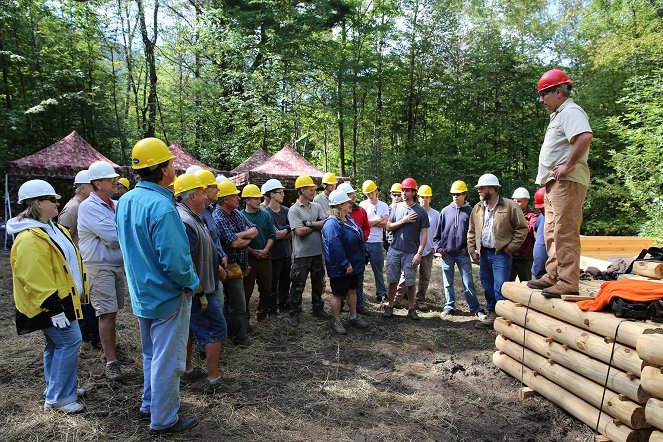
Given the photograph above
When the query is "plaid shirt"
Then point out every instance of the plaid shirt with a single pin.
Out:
(228, 227)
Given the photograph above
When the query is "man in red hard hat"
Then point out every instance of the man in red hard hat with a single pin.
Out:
(564, 172)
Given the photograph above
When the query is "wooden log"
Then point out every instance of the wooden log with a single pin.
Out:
(650, 348)
(582, 364)
(654, 412)
(626, 411)
(656, 436)
(568, 401)
(601, 323)
(648, 268)
(625, 358)
(652, 381)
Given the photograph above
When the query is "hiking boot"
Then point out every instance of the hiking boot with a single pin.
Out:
(388, 312)
(70, 408)
(338, 328)
(422, 307)
(556, 292)
(293, 321)
(183, 423)
(220, 385)
(361, 310)
(488, 322)
(412, 314)
(357, 322)
(241, 342)
(481, 315)
(541, 283)
(321, 314)
(447, 312)
(113, 371)
(192, 375)
(123, 359)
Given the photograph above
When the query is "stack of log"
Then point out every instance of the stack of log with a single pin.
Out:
(584, 362)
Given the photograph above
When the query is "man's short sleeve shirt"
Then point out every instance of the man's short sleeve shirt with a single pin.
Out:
(311, 244)
(406, 238)
(372, 210)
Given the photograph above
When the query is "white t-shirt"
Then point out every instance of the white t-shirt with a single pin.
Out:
(372, 210)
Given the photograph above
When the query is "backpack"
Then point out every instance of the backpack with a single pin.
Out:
(623, 308)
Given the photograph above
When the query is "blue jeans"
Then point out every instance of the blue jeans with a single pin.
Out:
(360, 289)
(494, 269)
(376, 253)
(164, 353)
(61, 364)
(464, 264)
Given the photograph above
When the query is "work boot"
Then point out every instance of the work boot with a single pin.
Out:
(113, 371)
(422, 307)
(193, 375)
(541, 283)
(488, 322)
(388, 312)
(357, 322)
(412, 314)
(183, 423)
(321, 313)
(293, 321)
(557, 292)
(361, 310)
(338, 327)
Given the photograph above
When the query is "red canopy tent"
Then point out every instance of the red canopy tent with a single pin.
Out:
(255, 160)
(184, 159)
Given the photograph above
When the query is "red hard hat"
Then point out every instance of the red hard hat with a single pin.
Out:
(409, 183)
(538, 197)
(552, 78)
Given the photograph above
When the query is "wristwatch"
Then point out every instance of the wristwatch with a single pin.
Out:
(307, 223)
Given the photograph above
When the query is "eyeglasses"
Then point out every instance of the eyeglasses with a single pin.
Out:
(395, 194)
(546, 92)
(52, 199)
(280, 192)
(457, 194)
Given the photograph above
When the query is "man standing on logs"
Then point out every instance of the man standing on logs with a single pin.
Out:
(497, 229)
(563, 170)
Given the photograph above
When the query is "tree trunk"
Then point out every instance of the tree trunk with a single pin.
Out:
(377, 123)
(149, 122)
(339, 102)
(411, 89)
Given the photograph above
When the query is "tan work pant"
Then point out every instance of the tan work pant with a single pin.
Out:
(563, 206)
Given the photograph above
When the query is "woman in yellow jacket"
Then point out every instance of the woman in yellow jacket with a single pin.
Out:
(49, 286)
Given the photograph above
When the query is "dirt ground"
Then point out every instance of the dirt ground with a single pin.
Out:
(399, 380)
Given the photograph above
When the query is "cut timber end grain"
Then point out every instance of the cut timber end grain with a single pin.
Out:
(525, 392)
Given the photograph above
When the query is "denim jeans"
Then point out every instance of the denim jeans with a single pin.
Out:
(220, 296)
(464, 264)
(376, 253)
(360, 289)
(164, 353)
(494, 270)
(61, 364)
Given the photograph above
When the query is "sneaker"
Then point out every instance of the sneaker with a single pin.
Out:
(358, 323)
(80, 392)
(192, 375)
(488, 322)
(338, 328)
(113, 371)
(446, 313)
(183, 423)
(293, 321)
(481, 315)
(321, 314)
(422, 307)
(361, 310)
(412, 314)
(221, 385)
(70, 408)
(388, 312)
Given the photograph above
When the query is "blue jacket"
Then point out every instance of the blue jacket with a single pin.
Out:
(342, 244)
(155, 250)
(451, 233)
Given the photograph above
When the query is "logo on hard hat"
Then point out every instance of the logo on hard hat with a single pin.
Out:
(135, 160)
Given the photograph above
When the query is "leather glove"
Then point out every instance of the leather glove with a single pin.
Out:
(60, 321)
(203, 304)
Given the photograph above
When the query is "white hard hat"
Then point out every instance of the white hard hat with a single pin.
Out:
(35, 189)
(338, 196)
(345, 187)
(520, 192)
(488, 179)
(193, 168)
(82, 177)
(100, 170)
(270, 185)
(221, 178)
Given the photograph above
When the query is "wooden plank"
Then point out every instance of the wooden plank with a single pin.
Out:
(574, 298)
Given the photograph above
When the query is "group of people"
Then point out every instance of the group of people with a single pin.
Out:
(189, 258)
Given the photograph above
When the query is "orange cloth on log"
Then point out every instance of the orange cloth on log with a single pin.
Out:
(632, 290)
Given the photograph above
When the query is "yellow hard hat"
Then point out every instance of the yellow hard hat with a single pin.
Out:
(124, 182)
(304, 181)
(206, 177)
(425, 190)
(149, 152)
(458, 187)
(396, 187)
(329, 178)
(369, 186)
(226, 188)
(186, 182)
(251, 191)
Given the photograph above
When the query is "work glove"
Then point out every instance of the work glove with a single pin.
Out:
(60, 321)
(203, 304)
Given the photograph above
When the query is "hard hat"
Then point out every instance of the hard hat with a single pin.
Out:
(100, 170)
(488, 179)
(205, 176)
(346, 187)
(409, 183)
(329, 178)
(149, 152)
(304, 181)
(193, 168)
(221, 178)
(271, 184)
(35, 189)
(251, 191)
(458, 187)
(552, 78)
(396, 187)
(520, 192)
(227, 188)
(337, 197)
(425, 190)
(538, 198)
(124, 182)
(186, 182)
(369, 186)
(82, 177)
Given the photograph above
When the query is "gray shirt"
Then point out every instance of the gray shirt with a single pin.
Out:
(311, 244)
(407, 237)
(487, 232)
(323, 200)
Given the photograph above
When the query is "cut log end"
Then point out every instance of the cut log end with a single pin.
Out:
(525, 392)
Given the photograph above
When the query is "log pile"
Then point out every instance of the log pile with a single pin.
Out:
(603, 370)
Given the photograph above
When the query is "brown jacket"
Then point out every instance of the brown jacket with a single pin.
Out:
(509, 224)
